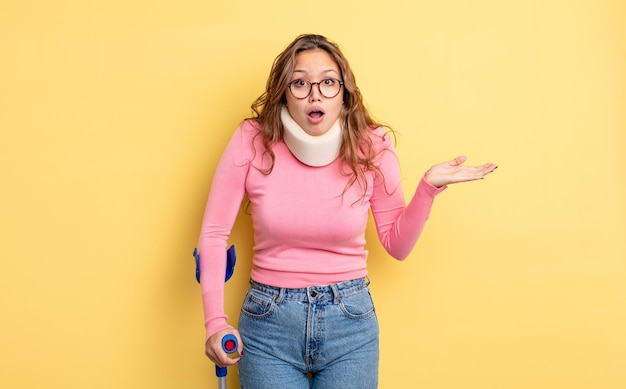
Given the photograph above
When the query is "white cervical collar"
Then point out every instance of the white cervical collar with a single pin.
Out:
(311, 150)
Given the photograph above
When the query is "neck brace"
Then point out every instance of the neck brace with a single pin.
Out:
(311, 150)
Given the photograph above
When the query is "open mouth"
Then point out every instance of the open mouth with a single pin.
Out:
(316, 115)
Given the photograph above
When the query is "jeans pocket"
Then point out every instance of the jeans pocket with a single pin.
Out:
(358, 305)
(257, 304)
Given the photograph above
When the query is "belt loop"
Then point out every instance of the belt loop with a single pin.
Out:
(335, 293)
(367, 281)
(281, 296)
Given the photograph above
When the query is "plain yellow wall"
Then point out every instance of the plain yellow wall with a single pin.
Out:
(113, 115)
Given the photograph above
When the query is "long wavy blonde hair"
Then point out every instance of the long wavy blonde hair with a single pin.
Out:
(357, 150)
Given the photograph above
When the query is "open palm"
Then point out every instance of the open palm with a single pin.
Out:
(454, 171)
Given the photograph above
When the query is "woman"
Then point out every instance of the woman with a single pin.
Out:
(312, 163)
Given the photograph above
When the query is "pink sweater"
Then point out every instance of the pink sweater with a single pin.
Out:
(307, 231)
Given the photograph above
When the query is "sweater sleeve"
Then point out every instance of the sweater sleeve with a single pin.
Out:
(225, 197)
(399, 226)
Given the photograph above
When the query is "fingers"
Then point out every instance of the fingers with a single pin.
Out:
(458, 160)
(488, 168)
(215, 352)
(219, 357)
(240, 348)
(453, 171)
(470, 173)
(481, 171)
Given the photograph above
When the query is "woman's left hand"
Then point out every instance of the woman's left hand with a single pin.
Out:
(451, 172)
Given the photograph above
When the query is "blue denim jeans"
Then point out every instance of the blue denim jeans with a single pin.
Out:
(317, 337)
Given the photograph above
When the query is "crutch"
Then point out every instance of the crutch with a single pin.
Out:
(229, 341)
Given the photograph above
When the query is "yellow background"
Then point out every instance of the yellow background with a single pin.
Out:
(113, 115)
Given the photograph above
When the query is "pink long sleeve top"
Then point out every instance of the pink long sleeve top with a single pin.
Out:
(308, 229)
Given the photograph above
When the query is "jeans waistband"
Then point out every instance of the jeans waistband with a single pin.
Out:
(316, 293)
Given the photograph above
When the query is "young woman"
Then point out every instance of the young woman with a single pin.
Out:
(312, 163)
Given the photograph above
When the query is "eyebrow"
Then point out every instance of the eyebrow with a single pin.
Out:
(323, 71)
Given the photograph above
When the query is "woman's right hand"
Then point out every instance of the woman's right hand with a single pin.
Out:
(213, 348)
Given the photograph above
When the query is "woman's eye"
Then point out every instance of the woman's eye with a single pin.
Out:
(299, 83)
(328, 81)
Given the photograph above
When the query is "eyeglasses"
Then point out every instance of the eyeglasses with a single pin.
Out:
(328, 87)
